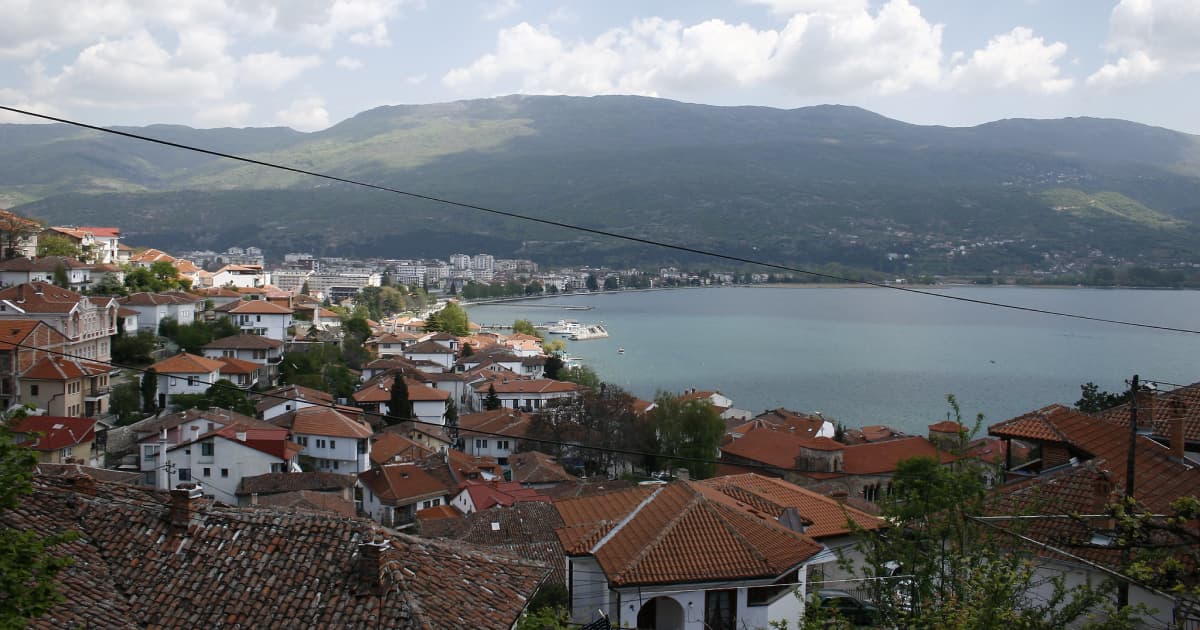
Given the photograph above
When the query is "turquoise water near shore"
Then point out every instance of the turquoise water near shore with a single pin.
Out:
(877, 356)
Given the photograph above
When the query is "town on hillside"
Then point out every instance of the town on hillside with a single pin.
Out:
(332, 442)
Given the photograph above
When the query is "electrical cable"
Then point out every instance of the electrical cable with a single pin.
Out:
(580, 228)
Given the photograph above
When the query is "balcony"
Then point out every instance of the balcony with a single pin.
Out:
(96, 393)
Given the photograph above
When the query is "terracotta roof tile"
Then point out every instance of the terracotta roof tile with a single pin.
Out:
(1157, 409)
(56, 432)
(402, 484)
(41, 297)
(773, 496)
(244, 342)
(185, 363)
(532, 386)
(310, 500)
(874, 458)
(537, 468)
(273, 483)
(277, 568)
(317, 420)
(688, 532)
(234, 365)
(391, 446)
(56, 368)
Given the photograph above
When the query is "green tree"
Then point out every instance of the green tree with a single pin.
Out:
(492, 401)
(125, 402)
(164, 272)
(109, 285)
(55, 245)
(61, 279)
(580, 375)
(149, 390)
(399, 405)
(524, 326)
(687, 430)
(27, 565)
(592, 283)
(467, 350)
(451, 319)
(451, 416)
(612, 283)
(552, 368)
(1094, 400)
(226, 395)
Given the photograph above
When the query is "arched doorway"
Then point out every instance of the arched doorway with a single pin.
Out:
(660, 613)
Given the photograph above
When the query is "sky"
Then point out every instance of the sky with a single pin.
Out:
(309, 64)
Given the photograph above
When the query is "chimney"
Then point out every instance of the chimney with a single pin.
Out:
(253, 498)
(1178, 435)
(682, 474)
(185, 501)
(1145, 411)
(370, 561)
(84, 484)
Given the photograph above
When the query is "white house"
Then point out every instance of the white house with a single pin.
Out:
(156, 433)
(259, 317)
(107, 244)
(392, 493)
(525, 394)
(241, 276)
(493, 433)
(264, 351)
(218, 460)
(657, 566)
(87, 322)
(428, 404)
(22, 270)
(287, 398)
(335, 441)
(153, 308)
(431, 351)
(185, 374)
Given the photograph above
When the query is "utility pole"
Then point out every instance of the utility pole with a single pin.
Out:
(1123, 587)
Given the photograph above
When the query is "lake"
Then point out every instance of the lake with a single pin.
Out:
(876, 356)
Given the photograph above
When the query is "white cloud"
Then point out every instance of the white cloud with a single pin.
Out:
(273, 69)
(1152, 37)
(224, 115)
(306, 114)
(499, 8)
(416, 79)
(833, 52)
(349, 63)
(1138, 67)
(1016, 59)
(792, 7)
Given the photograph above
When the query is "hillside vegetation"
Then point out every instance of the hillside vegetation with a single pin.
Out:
(806, 186)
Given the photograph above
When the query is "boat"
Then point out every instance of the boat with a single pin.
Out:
(564, 327)
(620, 350)
(590, 331)
(577, 308)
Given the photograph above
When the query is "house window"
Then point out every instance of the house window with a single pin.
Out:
(206, 449)
(431, 503)
(277, 468)
(481, 443)
(502, 445)
(33, 390)
(335, 464)
(66, 452)
(320, 443)
(185, 474)
(332, 443)
(149, 452)
(229, 353)
(224, 472)
(260, 354)
(191, 381)
(207, 472)
(720, 610)
(362, 447)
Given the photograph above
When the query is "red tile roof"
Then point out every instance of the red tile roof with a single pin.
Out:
(325, 421)
(773, 448)
(538, 386)
(254, 307)
(57, 432)
(382, 392)
(41, 297)
(185, 363)
(537, 468)
(233, 365)
(56, 368)
(402, 484)
(310, 500)
(391, 446)
(874, 458)
(244, 342)
(1157, 409)
(947, 426)
(109, 232)
(1036, 425)
(773, 496)
(685, 532)
(131, 565)
(507, 422)
(488, 494)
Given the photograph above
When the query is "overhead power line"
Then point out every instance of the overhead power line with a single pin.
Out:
(580, 228)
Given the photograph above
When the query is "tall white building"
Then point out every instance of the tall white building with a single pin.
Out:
(460, 261)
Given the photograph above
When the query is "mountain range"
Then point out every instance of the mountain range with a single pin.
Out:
(815, 185)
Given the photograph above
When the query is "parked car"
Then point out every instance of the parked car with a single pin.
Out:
(849, 607)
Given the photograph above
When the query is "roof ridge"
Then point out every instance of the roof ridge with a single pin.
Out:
(625, 521)
(667, 527)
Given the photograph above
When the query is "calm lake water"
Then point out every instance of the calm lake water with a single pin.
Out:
(877, 356)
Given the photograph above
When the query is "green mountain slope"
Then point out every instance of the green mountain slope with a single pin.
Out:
(810, 185)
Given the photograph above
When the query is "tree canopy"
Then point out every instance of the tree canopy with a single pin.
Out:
(55, 245)
(451, 319)
(687, 430)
